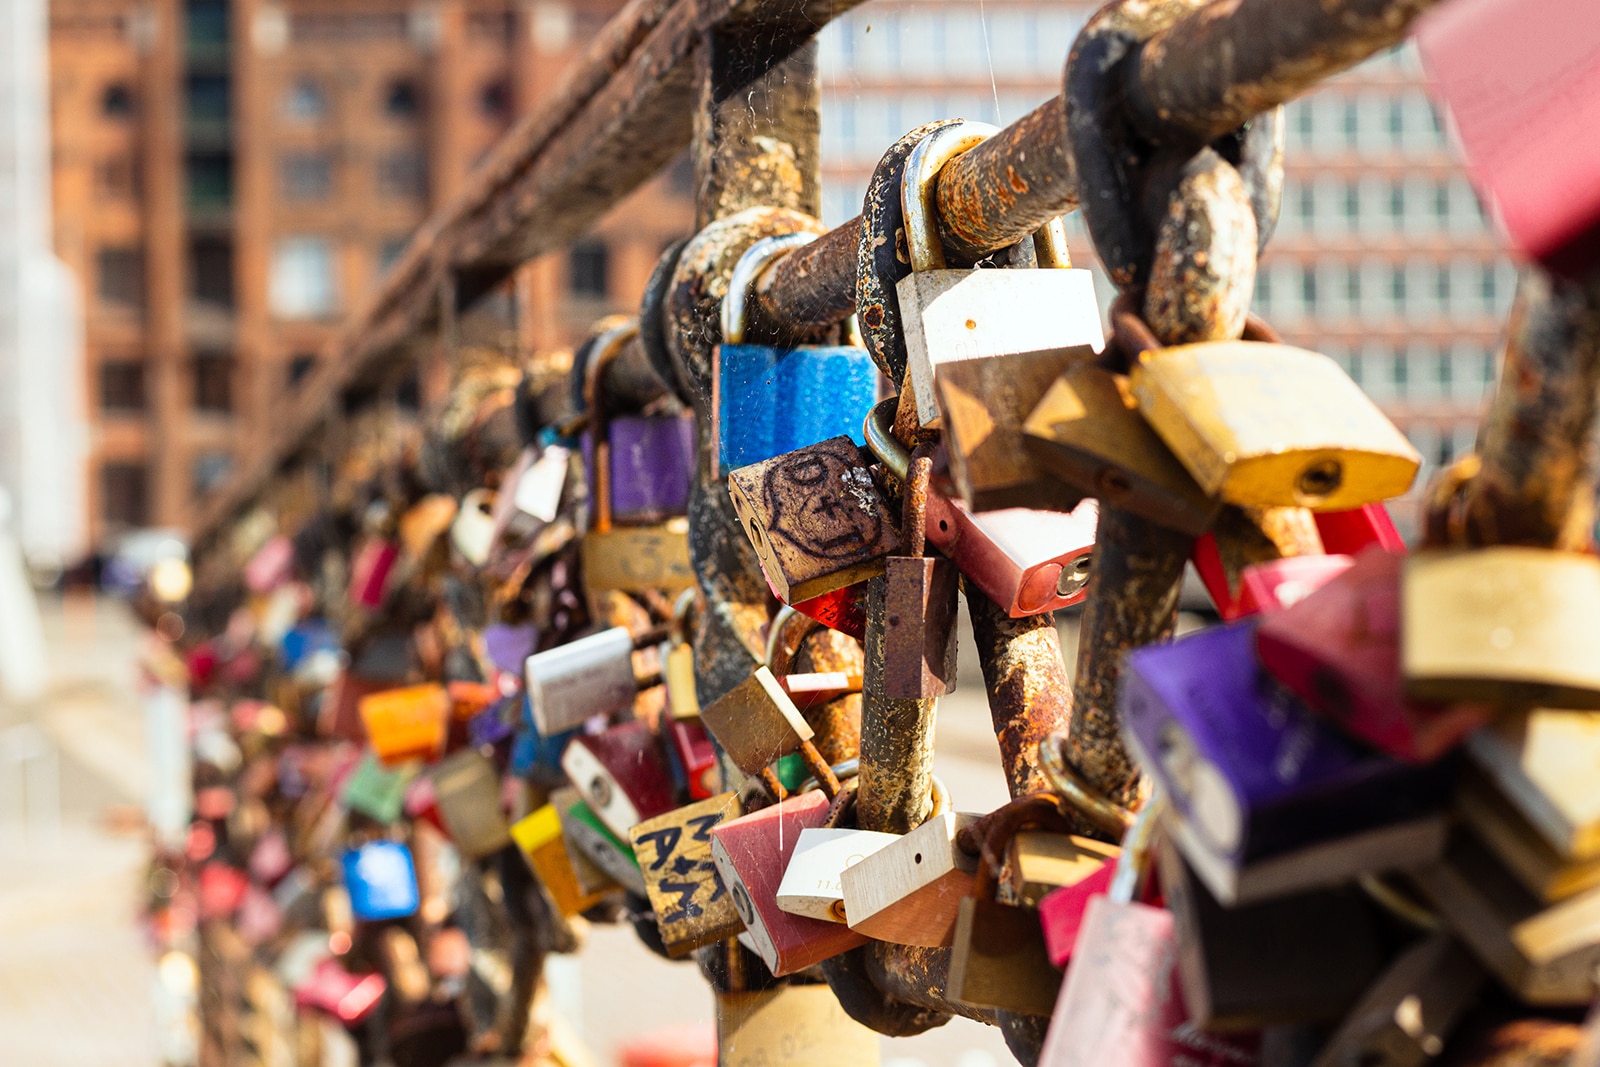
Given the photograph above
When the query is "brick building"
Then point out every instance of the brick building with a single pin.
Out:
(232, 178)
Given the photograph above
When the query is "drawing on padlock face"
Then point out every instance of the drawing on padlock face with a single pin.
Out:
(814, 519)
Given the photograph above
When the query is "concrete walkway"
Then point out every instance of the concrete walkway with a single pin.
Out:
(76, 976)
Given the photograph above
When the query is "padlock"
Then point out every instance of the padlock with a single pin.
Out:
(919, 659)
(1267, 425)
(1407, 1015)
(539, 837)
(1544, 762)
(408, 723)
(381, 880)
(791, 1026)
(531, 492)
(408, 975)
(692, 905)
(767, 401)
(587, 833)
(999, 959)
(1120, 1002)
(984, 403)
(622, 774)
(271, 566)
(350, 998)
(694, 756)
(678, 673)
(1027, 561)
(1269, 587)
(642, 464)
(751, 854)
(910, 891)
(1339, 651)
(952, 315)
(1267, 798)
(472, 532)
(1039, 863)
(815, 518)
(1544, 871)
(1544, 954)
(811, 883)
(1240, 539)
(1352, 532)
(1525, 132)
(755, 722)
(467, 791)
(375, 791)
(1297, 958)
(421, 526)
(1508, 626)
(577, 681)
(844, 609)
(1086, 430)
(370, 570)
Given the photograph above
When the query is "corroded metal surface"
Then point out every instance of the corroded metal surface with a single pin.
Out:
(1537, 465)
(1030, 695)
(837, 722)
(896, 791)
(1205, 266)
(813, 287)
(1006, 188)
(1230, 61)
(1521, 1043)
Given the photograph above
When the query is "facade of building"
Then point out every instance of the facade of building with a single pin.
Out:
(42, 421)
(233, 178)
(1383, 257)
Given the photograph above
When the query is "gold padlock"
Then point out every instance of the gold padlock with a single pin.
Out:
(1508, 626)
(1267, 425)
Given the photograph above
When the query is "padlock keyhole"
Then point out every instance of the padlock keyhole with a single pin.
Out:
(1320, 479)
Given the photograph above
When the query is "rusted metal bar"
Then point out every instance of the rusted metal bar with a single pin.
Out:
(1030, 695)
(813, 287)
(896, 738)
(1536, 464)
(1203, 243)
(1228, 62)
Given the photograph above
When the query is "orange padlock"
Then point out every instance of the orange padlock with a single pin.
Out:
(408, 723)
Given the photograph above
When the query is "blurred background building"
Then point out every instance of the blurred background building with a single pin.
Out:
(232, 178)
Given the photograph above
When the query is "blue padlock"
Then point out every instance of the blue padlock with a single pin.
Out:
(381, 880)
(310, 636)
(770, 401)
(533, 752)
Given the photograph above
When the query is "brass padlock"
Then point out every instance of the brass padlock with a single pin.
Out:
(791, 1026)
(816, 519)
(1407, 1015)
(952, 315)
(999, 959)
(467, 792)
(1508, 626)
(1545, 763)
(1267, 425)
(910, 892)
(1087, 430)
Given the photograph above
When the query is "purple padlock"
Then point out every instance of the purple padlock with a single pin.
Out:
(510, 646)
(652, 467)
(1260, 784)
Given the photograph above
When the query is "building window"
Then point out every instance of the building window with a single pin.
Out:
(210, 470)
(116, 101)
(587, 268)
(494, 100)
(305, 101)
(307, 175)
(300, 367)
(1401, 373)
(213, 382)
(1308, 289)
(211, 270)
(403, 174)
(402, 101)
(122, 386)
(121, 274)
(210, 181)
(207, 22)
(125, 494)
(303, 283)
(208, 98)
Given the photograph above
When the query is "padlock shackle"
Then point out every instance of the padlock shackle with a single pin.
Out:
(605, 348)
(1064, 778)
(919, 199)
(878, 429)
(1138, 844)
(747, 273)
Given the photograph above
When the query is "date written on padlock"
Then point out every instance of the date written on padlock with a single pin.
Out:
(692, 906)
(816, 519)
(811, 883)
(1272, 426)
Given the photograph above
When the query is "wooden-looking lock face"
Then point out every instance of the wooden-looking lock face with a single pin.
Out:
(909, 892)
(756, 722)
(692, 905)
(815, 518)
(1086, 429)
(1264, 425)
(984, 404)
(634, 559)
(1502, 625)
(953, 315)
